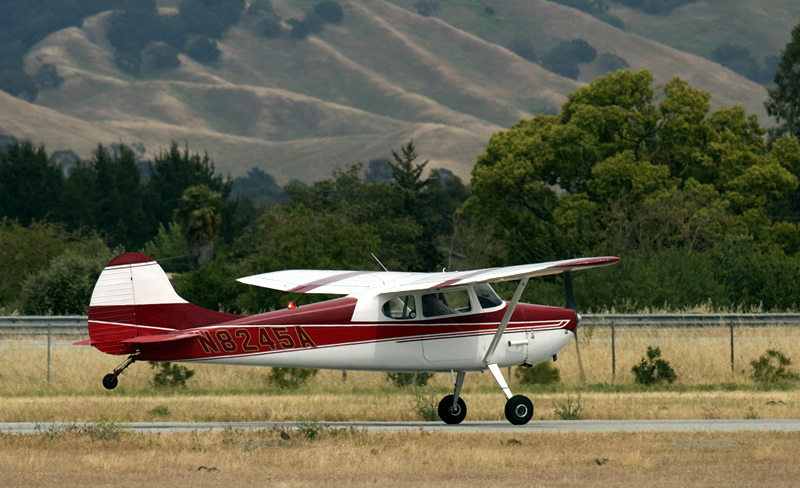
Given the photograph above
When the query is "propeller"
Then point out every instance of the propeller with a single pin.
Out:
(570, 299)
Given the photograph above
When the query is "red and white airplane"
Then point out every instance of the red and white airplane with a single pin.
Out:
(388, 321)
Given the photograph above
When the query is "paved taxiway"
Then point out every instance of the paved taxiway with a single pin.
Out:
(587, 426)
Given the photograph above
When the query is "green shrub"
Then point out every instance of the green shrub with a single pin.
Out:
(568, 411)
(171, 375)
(427, 407)
(402, 380)
(766, 371)
(107, 430)
(653, 370)
(290, 378)
(540, 374)
(310, 430)
(160, 411)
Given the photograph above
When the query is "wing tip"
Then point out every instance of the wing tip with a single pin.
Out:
(130, 258)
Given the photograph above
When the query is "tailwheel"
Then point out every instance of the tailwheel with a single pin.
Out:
(452, 414)
(519, 410)
(110, 380)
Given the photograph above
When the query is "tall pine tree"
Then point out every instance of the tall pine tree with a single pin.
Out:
(784, 98)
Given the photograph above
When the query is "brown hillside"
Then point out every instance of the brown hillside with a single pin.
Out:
(296, 109)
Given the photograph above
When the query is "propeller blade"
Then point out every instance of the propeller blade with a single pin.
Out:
(570, 298)
(568, 292)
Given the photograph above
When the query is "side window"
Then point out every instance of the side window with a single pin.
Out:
(446, 303)
(402, 308)
(487, 297)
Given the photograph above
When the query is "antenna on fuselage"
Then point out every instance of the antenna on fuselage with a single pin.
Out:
(379, 262)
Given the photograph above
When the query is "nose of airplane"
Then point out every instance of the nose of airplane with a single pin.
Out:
(562, 318)
(574, 320)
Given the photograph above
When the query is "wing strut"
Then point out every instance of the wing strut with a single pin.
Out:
(506, 319)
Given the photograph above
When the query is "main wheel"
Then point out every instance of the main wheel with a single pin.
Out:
(519, 410)
(449, 414)
(110, 382)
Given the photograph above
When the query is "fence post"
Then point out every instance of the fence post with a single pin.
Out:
(48, 353)
(613, 355)
(732, 365)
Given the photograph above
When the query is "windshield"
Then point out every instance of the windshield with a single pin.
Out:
(487, 297)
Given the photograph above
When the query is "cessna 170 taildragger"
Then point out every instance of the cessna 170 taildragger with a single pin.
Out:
(388, 321)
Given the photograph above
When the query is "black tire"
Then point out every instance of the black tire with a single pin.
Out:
(110, 382)
(448, 414)
(519, 410)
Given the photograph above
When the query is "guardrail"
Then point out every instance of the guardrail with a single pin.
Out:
(78, 324)
(39, 324)
(690, 319)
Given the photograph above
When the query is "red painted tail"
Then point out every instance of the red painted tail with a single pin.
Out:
(133, 297)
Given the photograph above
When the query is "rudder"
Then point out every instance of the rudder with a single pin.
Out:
(133, 297)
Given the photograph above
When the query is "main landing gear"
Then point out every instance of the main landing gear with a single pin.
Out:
(110, 380)
(453, 410)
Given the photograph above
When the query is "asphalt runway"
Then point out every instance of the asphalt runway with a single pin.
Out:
(585, 426)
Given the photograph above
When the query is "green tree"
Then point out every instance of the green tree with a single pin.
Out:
(202, 49)
(168, 247)
(27, 250)
(65, 287)
(31, 185)
(737, 58)
(330, 11)
(564, 58)
(598, 177)
(407, 174)
(106, 194)
(199, 216)
(172, 172)
(784, 99)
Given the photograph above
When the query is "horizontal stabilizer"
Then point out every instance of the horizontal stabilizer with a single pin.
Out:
(155, 338)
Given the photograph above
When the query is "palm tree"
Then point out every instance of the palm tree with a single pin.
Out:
(199, 215)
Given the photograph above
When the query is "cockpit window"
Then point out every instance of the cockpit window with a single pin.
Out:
(487, 297)
(446, 303)
(402, 308)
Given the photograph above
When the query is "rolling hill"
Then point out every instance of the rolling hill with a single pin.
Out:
(385, 75)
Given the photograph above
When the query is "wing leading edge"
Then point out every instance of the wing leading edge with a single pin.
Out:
(357, 282)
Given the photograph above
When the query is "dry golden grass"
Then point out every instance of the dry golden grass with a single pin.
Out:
(236, 393)
(260, 458)
(394, 406)
(700, 356)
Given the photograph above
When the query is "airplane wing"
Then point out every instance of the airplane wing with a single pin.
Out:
(355, 282)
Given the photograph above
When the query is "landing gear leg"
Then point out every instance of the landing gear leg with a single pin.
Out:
(110, 380)
(452, 408)
(519, 408)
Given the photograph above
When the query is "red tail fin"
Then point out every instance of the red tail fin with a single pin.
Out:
(133, 297)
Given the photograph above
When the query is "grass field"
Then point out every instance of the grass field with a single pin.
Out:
(706, 387)
(109, 456)
(700, 356)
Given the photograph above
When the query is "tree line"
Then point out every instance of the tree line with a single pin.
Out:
(702, 206)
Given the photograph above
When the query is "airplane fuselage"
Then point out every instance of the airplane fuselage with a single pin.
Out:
(324, 335)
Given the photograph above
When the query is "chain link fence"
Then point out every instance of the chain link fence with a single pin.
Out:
(37, 354)
(701, 348)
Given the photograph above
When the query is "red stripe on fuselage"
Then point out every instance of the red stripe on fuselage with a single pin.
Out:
(328, 324)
